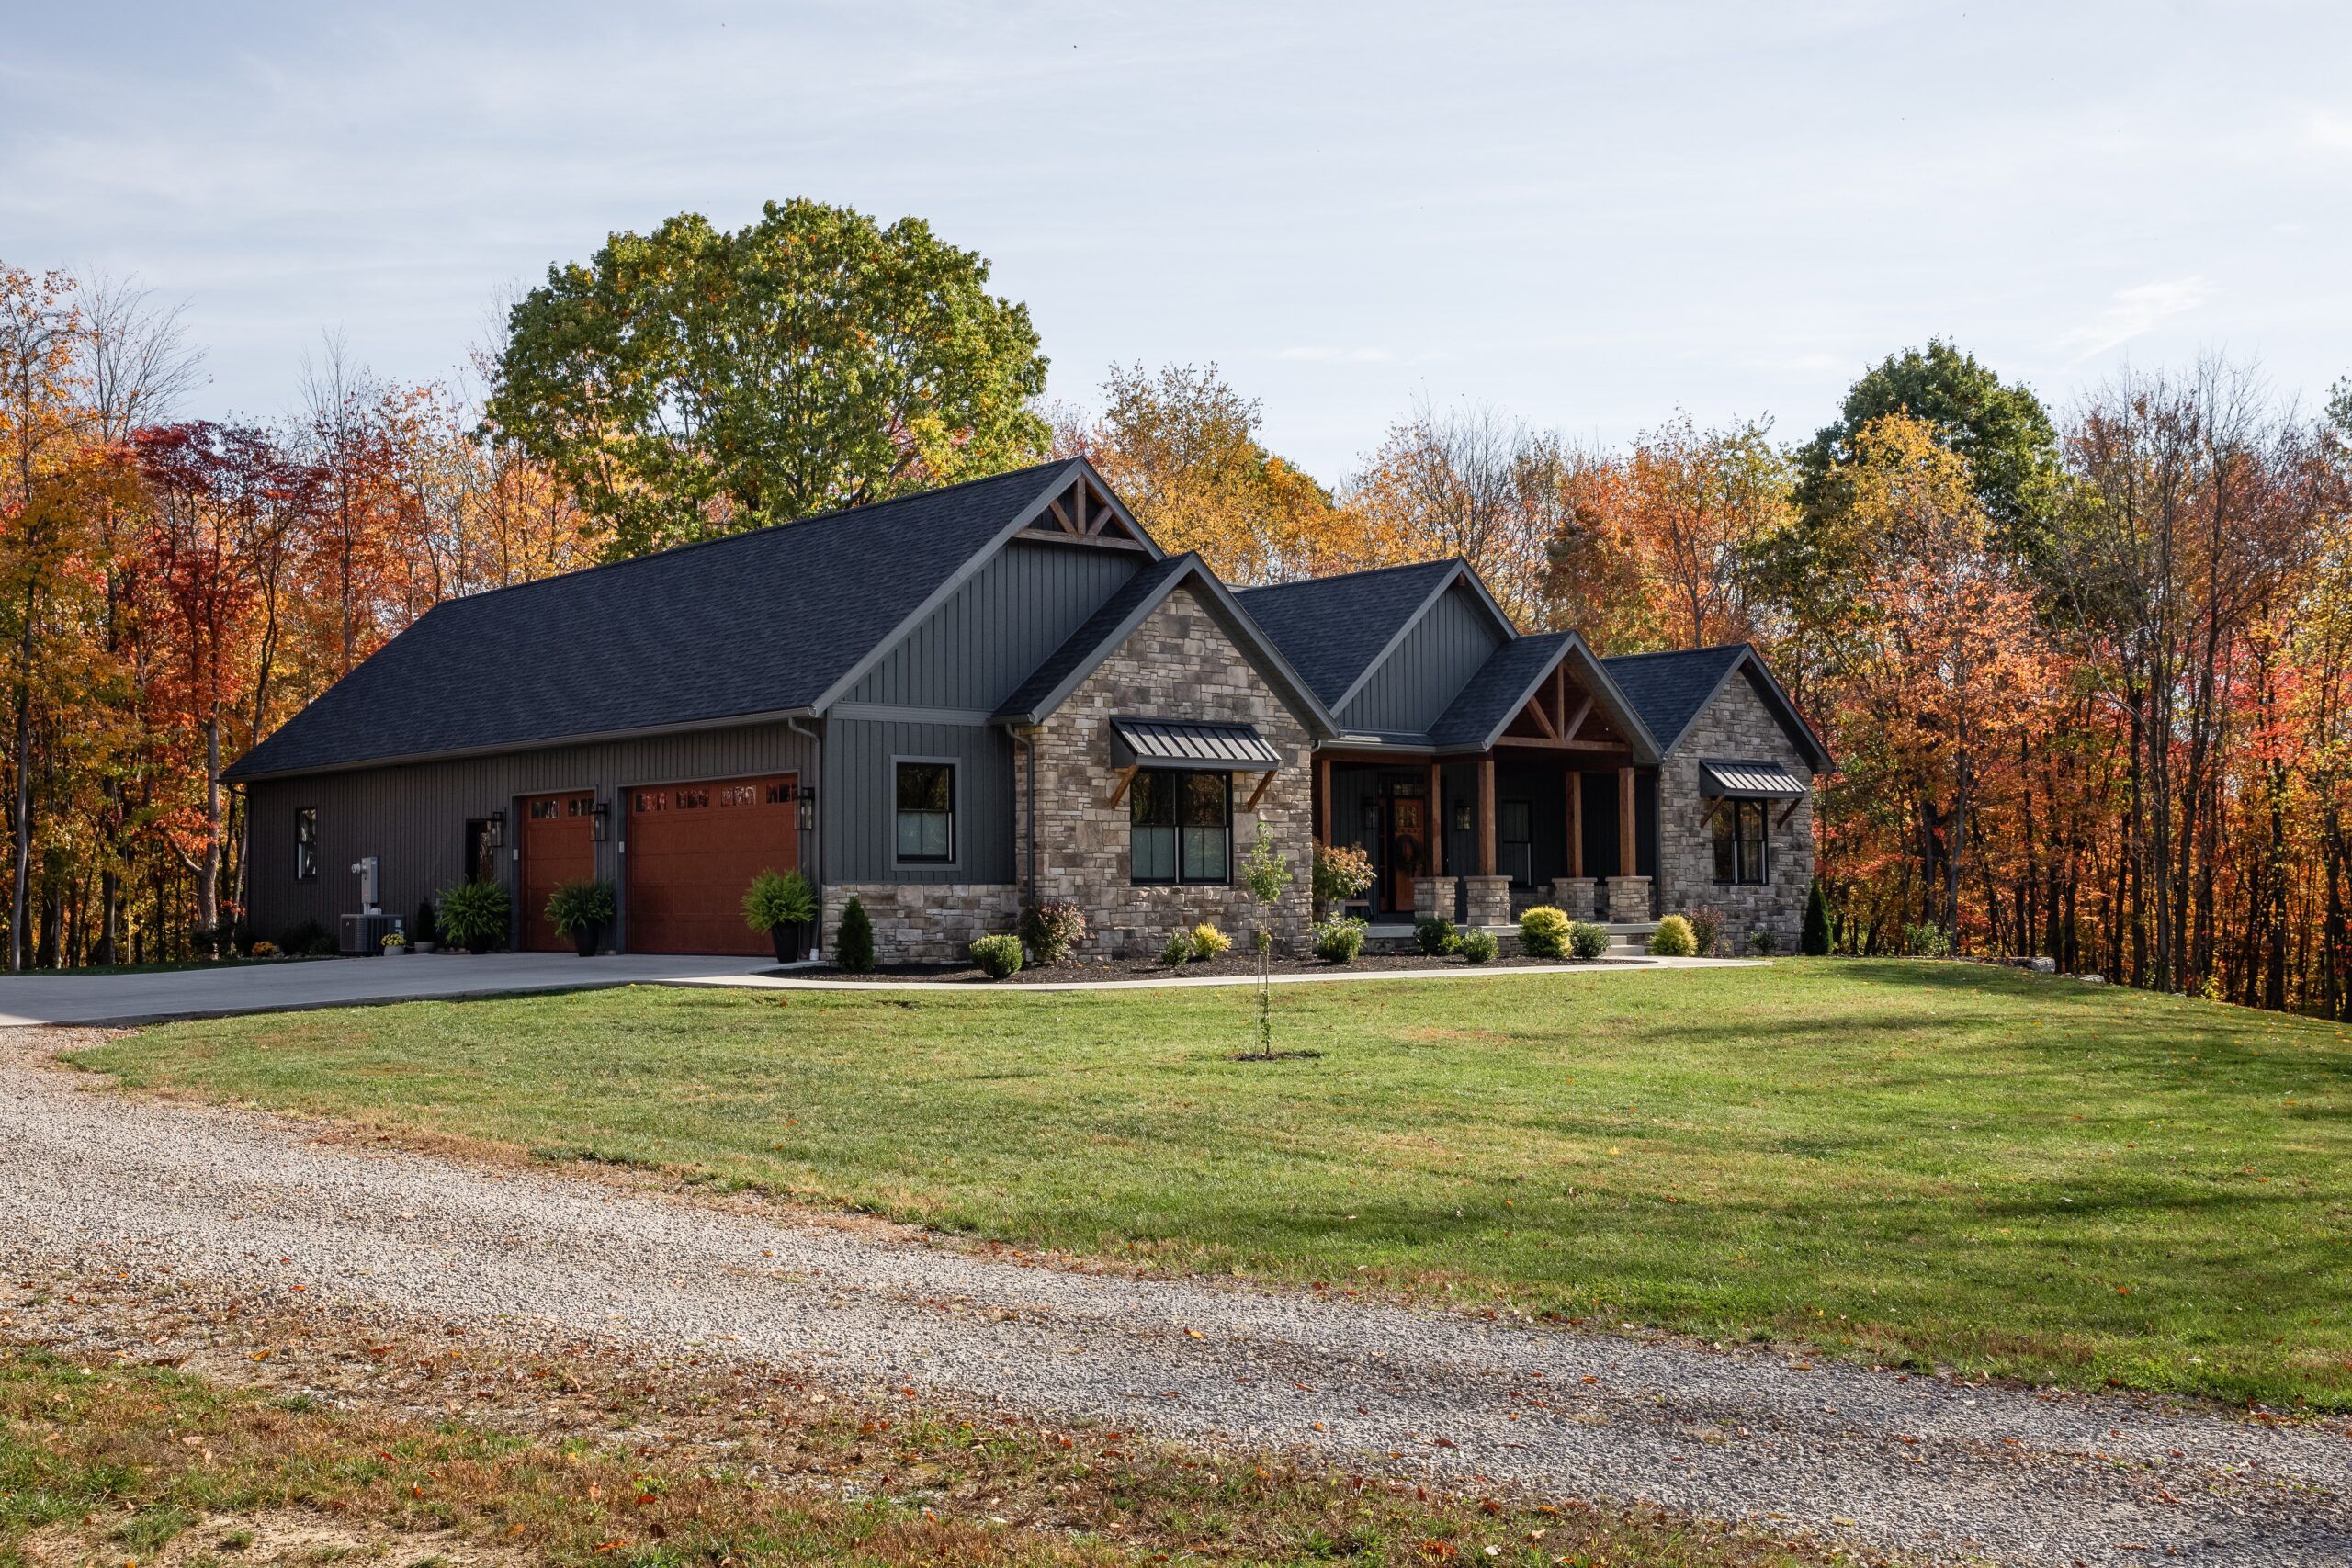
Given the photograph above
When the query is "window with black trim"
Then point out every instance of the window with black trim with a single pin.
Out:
(926, 813)
(1743, 842)
(306, 843)
(1180, 827)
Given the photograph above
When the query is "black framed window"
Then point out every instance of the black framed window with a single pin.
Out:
(306, 843)
(926, 813)
(1180, 827)
(1743, 842)
(1515, 840)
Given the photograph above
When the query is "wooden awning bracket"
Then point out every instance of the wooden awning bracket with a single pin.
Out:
(1126, 777)
(1258, 794)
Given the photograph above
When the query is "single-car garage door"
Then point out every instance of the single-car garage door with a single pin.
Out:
(557, 847)
(694, 848)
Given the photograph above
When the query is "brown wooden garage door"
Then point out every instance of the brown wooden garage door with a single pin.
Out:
(692, 851)
(557, 848)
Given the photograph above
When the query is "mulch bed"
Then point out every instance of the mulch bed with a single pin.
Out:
(1235, 963)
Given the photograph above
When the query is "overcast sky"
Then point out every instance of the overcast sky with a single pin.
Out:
(1585, 215)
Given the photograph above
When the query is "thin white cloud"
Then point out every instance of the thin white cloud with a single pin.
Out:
(2134, 311)
(1339, 355)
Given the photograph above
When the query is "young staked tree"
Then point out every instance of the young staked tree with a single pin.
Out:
(1266, 875)
(694, 382)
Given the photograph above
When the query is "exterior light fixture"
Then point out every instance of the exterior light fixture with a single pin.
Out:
(600, 823)
(497, 829)
(808, 808)
(1462, 818)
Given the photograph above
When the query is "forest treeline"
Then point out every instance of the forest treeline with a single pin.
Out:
(2085, 672)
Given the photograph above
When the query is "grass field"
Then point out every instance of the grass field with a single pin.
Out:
(1904, 1163)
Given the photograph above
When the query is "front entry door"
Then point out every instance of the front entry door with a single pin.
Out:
(1407, 842)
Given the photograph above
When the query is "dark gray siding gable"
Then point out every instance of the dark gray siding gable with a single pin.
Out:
(971, 653)
(1411, 688)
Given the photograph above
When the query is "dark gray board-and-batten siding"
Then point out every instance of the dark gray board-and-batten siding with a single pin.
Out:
(1413, 686)
(412, 817)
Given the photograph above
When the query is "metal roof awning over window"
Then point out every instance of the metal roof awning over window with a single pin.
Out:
(1169, 743)
(1749, 781)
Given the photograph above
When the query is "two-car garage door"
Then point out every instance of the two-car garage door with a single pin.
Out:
(692, 849)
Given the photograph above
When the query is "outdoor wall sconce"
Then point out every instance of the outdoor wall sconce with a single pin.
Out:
(808, 808)
(1371, 816)
(497, 829)
(1462, 818)
(600, 823)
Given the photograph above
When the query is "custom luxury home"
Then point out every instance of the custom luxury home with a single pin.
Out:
(1003, 691)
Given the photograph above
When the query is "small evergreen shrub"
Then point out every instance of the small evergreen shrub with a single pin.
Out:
(428, 926)
(998, 956)
(474, 915)
(1177, 950)
(1761, 942)
(1053, 931)
(1673, 938)
(1479, 947)
(1544, 932)
(1814, 940)
(1436, 937)
(778, 899)
(854, 944)
(1339, 939)
(1587, 939)
(1706, 930)
(1208, 942)
(304, 936)
(1926, 940)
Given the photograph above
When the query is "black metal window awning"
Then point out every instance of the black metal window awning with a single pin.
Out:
(1749, 781)
(1175, 743)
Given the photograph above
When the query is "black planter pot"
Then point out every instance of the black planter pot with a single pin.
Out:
(584, 941)
(791, 941)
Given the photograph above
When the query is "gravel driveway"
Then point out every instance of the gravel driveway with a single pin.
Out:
(93, 1180)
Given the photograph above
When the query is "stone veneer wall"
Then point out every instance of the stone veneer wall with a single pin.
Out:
(923, 922)
(1179, 664)
(1736, 728)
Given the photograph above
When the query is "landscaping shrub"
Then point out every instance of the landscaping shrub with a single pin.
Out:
(576, 905)
(853, 946)
(1208, 942)
(428, 927)
(304, 936)
(1053, 931)
(1814, 942)
(1339, 939)
(1341, 871)
(1673, 938)
(998, 956)
(474, 915)
(263, 950)
(778, 899)
(1587, 940)
(1479, 947)
(1544, 932)
(1177, 950)
(1926, 940)
(1706, 930)
(1436, 937)
(1762, 940)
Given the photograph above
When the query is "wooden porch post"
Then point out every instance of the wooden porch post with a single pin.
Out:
(1437, 821)
(1628, 863)
(1322, 801)
(1576, 823)
(1486, 814)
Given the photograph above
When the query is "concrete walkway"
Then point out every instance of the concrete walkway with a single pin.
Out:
(292, 986)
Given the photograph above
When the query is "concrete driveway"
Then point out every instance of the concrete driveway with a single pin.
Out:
(332, 982)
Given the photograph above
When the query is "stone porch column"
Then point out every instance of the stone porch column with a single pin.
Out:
(1578, 897)
(1488, 900)
(1434, 898)
(1629, 899)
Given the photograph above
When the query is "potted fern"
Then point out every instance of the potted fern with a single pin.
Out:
(474, 915)
(782, 904)
(581, 910)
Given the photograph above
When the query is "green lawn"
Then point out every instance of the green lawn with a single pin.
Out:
(1901, 1162)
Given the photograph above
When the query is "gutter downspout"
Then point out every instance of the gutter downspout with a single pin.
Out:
(816, 742)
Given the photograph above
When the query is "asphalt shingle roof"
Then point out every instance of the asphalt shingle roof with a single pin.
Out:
(1668, 689)
(1495, 693)
(1332, 628)
(755, 622)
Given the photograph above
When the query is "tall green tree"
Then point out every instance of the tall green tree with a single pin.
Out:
(692, 382)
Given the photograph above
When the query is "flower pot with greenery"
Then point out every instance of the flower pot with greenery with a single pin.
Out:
(474, 915)
(782, 904)
(581, 910)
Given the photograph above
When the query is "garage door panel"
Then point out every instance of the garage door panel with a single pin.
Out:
(557, 847)
(692, 851)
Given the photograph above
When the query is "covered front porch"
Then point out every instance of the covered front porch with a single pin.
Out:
(1553, 802)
